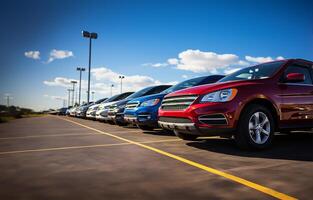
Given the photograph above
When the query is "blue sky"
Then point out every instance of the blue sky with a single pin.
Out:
(137, 39)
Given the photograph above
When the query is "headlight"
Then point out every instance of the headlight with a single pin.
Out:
(121, 107)
(151, 102)
(220, 96)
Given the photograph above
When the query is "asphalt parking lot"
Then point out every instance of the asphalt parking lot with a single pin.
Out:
(67, 158)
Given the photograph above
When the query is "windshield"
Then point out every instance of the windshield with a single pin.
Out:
(112, 98)
(256, 72)
(100, 101)
(184, 84)
(139, 93)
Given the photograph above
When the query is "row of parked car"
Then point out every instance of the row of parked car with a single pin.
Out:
(248, 105)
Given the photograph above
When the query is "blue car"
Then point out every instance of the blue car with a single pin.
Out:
(116, 110)
(143, 111)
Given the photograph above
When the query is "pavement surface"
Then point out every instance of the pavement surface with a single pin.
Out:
(54, 157)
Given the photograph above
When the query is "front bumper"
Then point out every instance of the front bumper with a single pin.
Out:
(91, 115)
(193, 129)
(147, 116)
(201, 119)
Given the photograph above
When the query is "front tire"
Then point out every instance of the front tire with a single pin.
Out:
(185, 136)
(256, 128)
(145, 128)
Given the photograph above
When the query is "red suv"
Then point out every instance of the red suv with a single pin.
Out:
(250, 104)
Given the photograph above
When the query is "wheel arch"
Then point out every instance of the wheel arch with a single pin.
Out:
(266, 103)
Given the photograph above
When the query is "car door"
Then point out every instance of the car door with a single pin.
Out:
(297, 98)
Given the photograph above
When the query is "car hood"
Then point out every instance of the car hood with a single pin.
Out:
(149, 97)
(107, 104)
(203, 89)
(122, 102)
(94, 106)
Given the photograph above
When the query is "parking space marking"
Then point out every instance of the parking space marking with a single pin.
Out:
(125, 131)
(40, 136)
(83, 147)
(228, 176)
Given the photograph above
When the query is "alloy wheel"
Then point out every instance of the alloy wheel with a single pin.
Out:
(259, 127)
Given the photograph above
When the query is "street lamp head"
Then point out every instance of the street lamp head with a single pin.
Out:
(94, 35)
(121, 77)
(80, 69)
(112, 85)
(74, 82)
(86, 34)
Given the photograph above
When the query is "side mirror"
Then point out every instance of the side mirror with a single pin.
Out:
(295, 77)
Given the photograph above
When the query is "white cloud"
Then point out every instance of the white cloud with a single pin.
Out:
(210, 62)
(32, 54)
(198, 61)
(60, 81)
(262, 59)
(184, 76)
(130, 83)
(155, 64)
(172, 61)
(59, 54)
(104, 77)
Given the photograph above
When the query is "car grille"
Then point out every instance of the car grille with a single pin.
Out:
(178, 102)
(131, 105)
(112, 108)
(213, 119)
(175, 120)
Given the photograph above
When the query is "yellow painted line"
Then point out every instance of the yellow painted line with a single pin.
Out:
(82, 147)
(61, 148)
(228, 176)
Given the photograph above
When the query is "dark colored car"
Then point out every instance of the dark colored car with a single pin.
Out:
(250, 104)
(116, 111)
(143, 111)
(62, 111)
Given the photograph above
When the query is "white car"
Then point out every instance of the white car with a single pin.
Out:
(102, 110)
(73, 111)
(90, 111)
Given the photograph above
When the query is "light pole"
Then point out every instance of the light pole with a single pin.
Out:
(69, 97)
(121, 77)
(91, 36)
(111, 89)
(73, 82)
(93, 96)
(80, 69)
(8, 97)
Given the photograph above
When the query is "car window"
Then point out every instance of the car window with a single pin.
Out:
(158, 89)
(185, 84)
(302, 70)
(261, 71)
(211, 79)
(123, 96)
(140, 93)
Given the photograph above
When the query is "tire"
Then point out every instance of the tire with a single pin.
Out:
(168, 131)
(145, 128)
(185, 136)
(120, 123)
(256, 128)
(110, 122)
